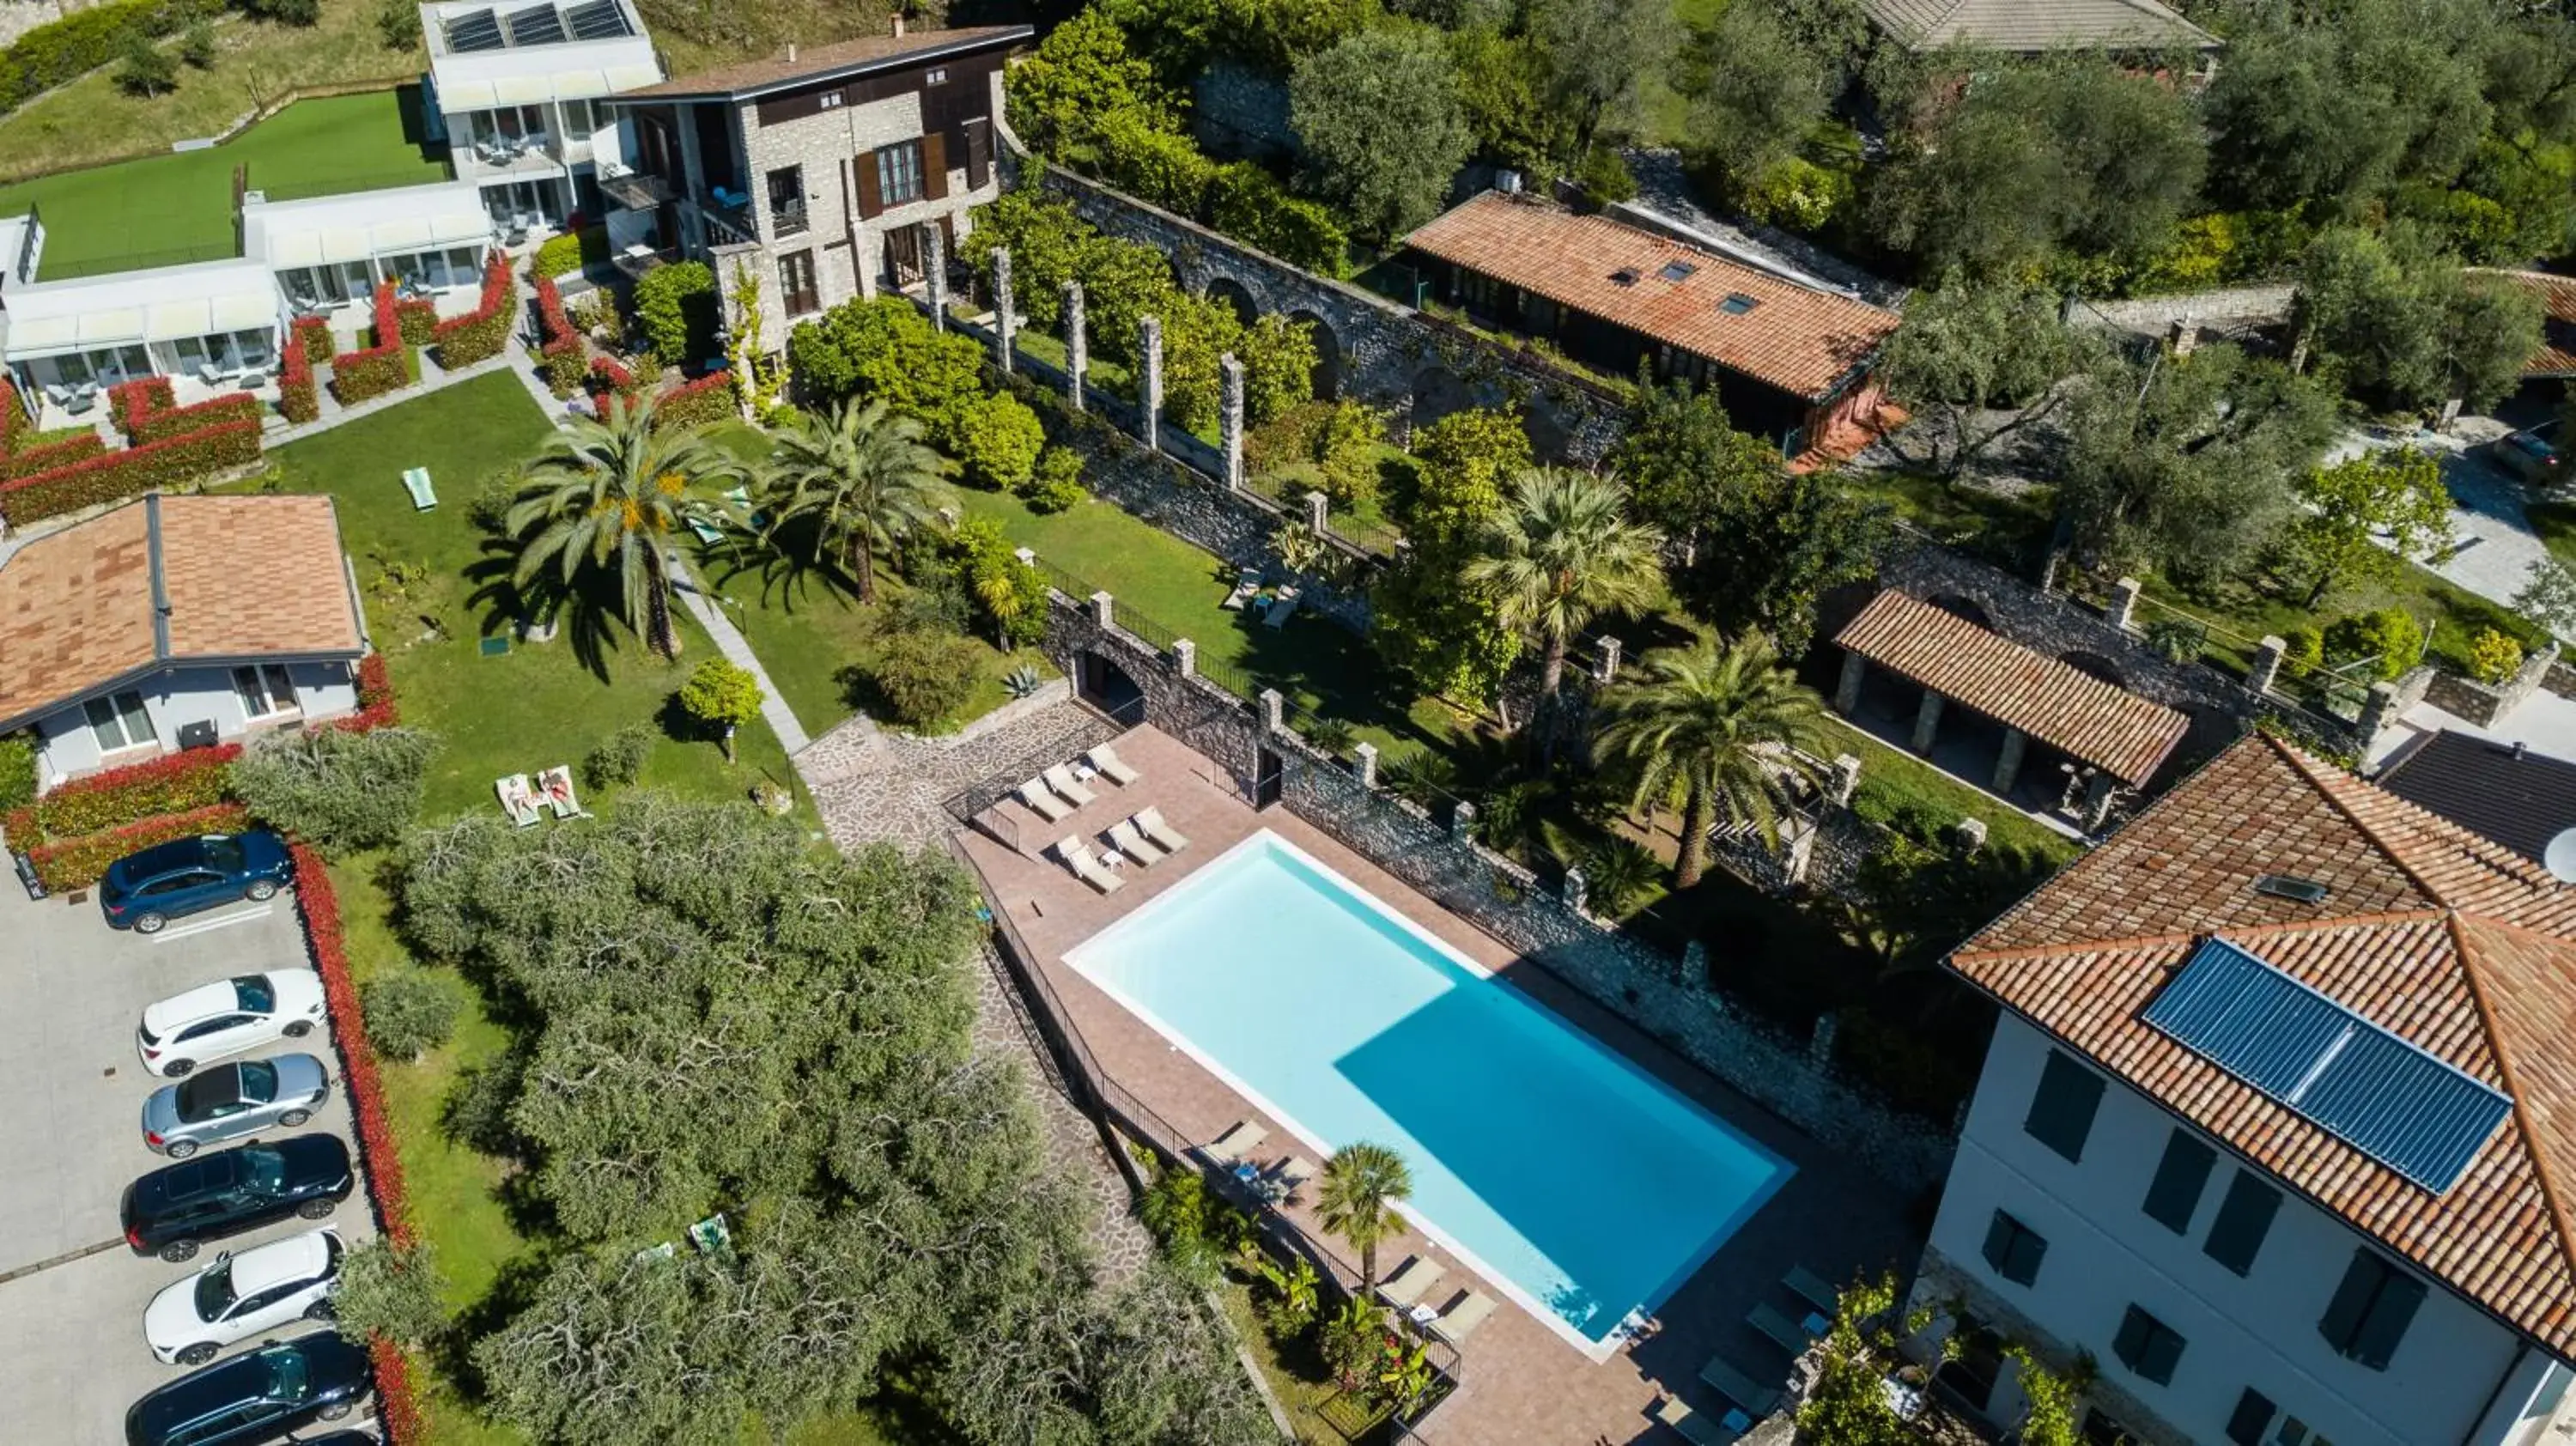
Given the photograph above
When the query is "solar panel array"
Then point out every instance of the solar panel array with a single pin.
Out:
(537, 25)
(2378, 1093)
(475, 30)
(598, 20)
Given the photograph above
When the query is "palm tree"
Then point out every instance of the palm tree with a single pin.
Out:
(615, 493)
(1561, 553)
(1726, 729)
(1356, 1201)
(862, 476)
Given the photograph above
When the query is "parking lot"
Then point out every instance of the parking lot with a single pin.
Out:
(72, 1294)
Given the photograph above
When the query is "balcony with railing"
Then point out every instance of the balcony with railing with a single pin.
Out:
(635, 190)
(787, 218)
(729, 218)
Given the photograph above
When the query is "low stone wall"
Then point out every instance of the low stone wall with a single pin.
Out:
(2482, 703)
(2561, 678)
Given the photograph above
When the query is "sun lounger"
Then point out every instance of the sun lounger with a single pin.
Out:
(518, 800)
(1791, 1336)
(1411, 1281)
(1812, 1288)
(1247, 585)
(1111, 766)
(1673, 1412)
(416, 482)
(1235, 1143)
(1061, 779)
(1282, 607)
(555, 784)
(1049, 807)
(1757, 1399)
(1150, 820)
(1077, 856)
(1134, 845)
(1294, 1174)
(1462, 1317)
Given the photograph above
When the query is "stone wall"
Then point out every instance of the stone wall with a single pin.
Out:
(2483, 704)
(1240, 111)
(2231, 311)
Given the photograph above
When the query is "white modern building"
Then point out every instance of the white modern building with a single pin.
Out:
(331, 252)
(514, 90)
(2277, 1127)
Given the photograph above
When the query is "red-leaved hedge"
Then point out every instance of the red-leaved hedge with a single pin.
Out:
(129, 404)
(298, 399)
(79, 862)
(359, 376)
(708, 399)
(114, 476)
(564, 355)
(177, 783)
(416, 320)
(179, 421)
(12, 420)
(480, 334)
(52, 455)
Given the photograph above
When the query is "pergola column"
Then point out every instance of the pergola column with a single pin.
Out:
(1151, 402)
(1847, 692)
(1077, 348)
(2008, 761)
(1003, 322)
(1927, 722)
(935, 272)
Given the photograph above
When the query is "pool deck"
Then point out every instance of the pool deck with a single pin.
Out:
(1522, 1381)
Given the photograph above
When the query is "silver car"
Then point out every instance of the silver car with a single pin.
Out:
(227, 1101)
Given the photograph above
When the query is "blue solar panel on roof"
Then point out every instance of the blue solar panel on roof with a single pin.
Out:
(598, 20)
(2376, 1092)
(475, 30)
(536, 25)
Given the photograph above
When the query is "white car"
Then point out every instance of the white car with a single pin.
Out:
(216, 1021)
(242, 1295)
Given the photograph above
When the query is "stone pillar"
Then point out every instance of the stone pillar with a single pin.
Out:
(1005, 326)
(2008, 760)
(1185, 657)
(1273, 711)
(1574, 890)
(1820, 1043)
(2267, 663)
(1104, 609)
(1972, 834)
(1608, 671)
(1231, 419)
(1364, 756)
(2049, 566)
(934, 266)
(1845, 781)
(1319, 512)
(2124, 603)
(2377, 711)
(1797, 848)
(1927, 722)
(1077, 348)
(1462, 820)
(1847, 692)
(1152, 400)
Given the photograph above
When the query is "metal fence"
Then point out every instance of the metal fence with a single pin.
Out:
(57, 268)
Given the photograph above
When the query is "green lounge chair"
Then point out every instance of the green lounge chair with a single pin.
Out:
(1791, 1336)
(1812, 1288)
(1694, 1426)
(416, 482)
(1756, 1399)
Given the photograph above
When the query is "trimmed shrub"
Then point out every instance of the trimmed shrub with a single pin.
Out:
(561, 350)
(479, 334)
(923, 675)
(572, 251)
(676, 306)
(707, 400)
(2303, 651)
(720, 696)
(1058, 483)
(408, 1014)
(359, 376)
(620, 757)
(376, 708)
(114, 476)
(298, 400)
(80, 862)
(339, 789)
(2493, 657)
(17, 776)
(52, 456)
(998, 439)
(12, 420)
(178, 783)
(129, 403)
(416, 321)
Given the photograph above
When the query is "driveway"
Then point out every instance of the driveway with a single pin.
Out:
(2493, 544)
(70, 991)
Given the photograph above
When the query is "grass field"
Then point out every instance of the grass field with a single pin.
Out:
(170, 209)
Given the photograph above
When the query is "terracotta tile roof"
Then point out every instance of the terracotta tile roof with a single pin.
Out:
(2446, 939)
(2029, 26)
(1795, 338)
(749, 78)
(2060, 705)
(245, 577)
(2557, 354)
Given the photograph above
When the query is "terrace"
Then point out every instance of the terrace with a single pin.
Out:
(1521, 1378)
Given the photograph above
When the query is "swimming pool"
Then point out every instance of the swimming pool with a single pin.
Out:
(1583, 1186)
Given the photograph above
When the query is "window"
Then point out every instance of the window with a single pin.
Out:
(1970, 1375)
(2014, 1249)
(577, 122)
(119, 722)
(899, 173)
(2244, 1218)
(2371, 1309)
(937, 75)
(2061, 1113)
(830, 100)
(796, 283)
(2179, 1178)
(2147, 1346)
(786, 189)
(265, 690)
(2253, 1412)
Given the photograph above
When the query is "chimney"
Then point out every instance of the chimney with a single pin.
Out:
(2518, 746)
(898, 25)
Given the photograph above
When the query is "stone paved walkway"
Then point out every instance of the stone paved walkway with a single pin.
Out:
(737, 650)
(2494, 546)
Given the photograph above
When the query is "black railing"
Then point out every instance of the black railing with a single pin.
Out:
(788, 217)
(635, 190)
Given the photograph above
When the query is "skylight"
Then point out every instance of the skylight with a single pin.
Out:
(2291, 887)
(598, 20)
(536, 25)
(1737, 304)
(1676, 270)
(475, 30)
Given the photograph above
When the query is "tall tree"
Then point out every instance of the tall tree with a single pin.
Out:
(1378, 119)
(1687, 468)
(1724, 731)
(1792, 539)
(1356, 1199)
(2354, 503)
(612, 496)
(1561, 553)
(2395, 318)
(1978, 363)
(1430, 623)
(860, 477)
(1760, 92)
(1601, 53)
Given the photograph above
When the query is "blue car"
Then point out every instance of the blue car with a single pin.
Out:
(143, 891)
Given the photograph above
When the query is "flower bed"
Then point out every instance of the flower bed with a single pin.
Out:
(80, 862)
(179, 783)
(565, 356)
(113, 476)
(480, 334)
(360, 376)
(708, 399)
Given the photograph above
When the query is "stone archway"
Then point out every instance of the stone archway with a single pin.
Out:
(1327, 378)
(2094, 665)
(1108, 687)
(1236, 296)
(1437, 392)
(1960, 605)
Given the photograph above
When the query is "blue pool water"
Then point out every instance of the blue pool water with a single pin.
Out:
(1589, 1187)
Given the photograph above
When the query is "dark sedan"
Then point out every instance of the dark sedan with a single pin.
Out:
(143, 891)
(173, 1210)
(256, 1396)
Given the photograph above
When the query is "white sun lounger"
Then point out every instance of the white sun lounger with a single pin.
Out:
(555, 785)
(1295, 1174)
(1133, 844)
(1150, 820)
(1077, 856)
(1061, 779)
(518, 799)
(1111, 766)
(1462, 1317)
(1235, 1143)
(1049, 807)
(1412, 1281)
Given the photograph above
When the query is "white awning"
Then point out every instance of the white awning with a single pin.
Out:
(466, 95)
(523, 89)
(632, 77)
(579, 84)
(407, 234)
(171, 320)
(244, 310)
(44, 336)
(287, 251)
(111, 328)
(452, 227)
(346, 243)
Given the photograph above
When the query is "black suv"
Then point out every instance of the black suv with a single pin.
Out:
(254, 1397)
(226, 1192)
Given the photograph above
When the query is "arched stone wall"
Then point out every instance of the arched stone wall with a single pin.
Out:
(1328, 354)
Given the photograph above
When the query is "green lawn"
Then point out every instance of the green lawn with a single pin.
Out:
(169, 209)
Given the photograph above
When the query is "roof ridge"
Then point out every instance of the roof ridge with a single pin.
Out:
(2314, 770)
(2329, 782)
(2380, 919)
(2471, 964)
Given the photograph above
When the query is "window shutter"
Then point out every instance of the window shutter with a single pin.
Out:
(871, 199)
(2180, 1177)
(2061, 1112)
(2385, 1325)
(934, 166)
(979, 153)
(2244, 1218)
(2342, 1321)
(2253, 1413)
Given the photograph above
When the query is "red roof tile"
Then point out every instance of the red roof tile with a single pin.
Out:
(2557, 354)
(2061, 706)
(1798, 339)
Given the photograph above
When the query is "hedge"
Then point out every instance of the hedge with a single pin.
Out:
(565, 355)
(80, 862)
(114, 476)
(707, 400)
(297, 399)
(69, 48)
(572, 251)
(11, 419)
(162, 425)
(52, 455)
(376, 706)
(179, 783)
(360, 376)
(416, 321)
(480, 334)
(130, 404)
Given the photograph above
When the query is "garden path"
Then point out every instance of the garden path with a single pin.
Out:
(737, 650)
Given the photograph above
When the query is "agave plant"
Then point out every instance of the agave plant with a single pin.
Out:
(1022, 681)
